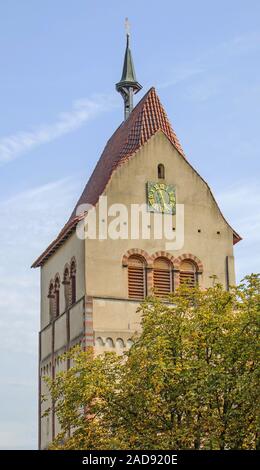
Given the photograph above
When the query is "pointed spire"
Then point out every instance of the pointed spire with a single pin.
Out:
(128, 84)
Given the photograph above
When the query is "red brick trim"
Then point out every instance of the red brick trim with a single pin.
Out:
(176, 280)
(88, 339)
(163, 254)
(149, 281)
(51, 289)
(66, 268)
(57, 279)
(139, 252)
(188, 257)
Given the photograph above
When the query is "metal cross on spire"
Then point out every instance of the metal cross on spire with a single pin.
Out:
(127, 27)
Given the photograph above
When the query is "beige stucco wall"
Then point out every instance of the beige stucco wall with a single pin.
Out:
(125, 312)
(73, 247)
(115, 323)
(105, 275)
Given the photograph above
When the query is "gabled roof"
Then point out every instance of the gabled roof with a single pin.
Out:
(145, 120)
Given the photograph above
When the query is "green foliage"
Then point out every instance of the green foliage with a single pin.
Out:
(190, 380)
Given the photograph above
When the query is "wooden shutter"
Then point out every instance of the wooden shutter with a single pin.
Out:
(57, 297)
(57, 303)
(66, 283)
(73, 288)
(51, 297)
(136, 278)
(161, 173)
(162, 277)
(73, 282)
(187, 274)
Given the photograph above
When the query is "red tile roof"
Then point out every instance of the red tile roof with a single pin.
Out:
(146, 119)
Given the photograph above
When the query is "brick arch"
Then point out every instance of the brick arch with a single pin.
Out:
(51, 288)
(163, 254)
(66, 281)
(66, 268)
(57, 279)
(188, 257)
(139, 252)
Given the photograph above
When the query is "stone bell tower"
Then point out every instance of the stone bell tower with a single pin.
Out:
(91, 288)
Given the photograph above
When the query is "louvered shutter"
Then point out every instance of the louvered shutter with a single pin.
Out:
(187, 274)
(136, 278)
(66, 283)
(51, 297)
(73, 289)
(57, 297)
(73, 282)
(162, 277)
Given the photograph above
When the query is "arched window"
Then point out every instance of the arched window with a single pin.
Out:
(161, 171)
(51, 297)
(162, 277)
(136, 278)
(66, 283)
(188, 273)
(73, 281)
(57, 297)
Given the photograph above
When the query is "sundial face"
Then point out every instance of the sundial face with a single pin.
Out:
(161, 198)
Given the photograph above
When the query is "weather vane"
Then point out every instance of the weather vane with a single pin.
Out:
(127, 27)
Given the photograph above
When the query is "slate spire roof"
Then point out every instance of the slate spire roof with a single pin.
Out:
(128, 73)
(145, 120)
(128, 85)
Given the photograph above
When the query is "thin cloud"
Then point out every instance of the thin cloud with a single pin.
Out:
(82, 110)
(28, 221)
(180, 74)
(211, 59)
(31, 219)
(243, 44)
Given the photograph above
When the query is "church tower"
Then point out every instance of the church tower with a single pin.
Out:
(112, 252)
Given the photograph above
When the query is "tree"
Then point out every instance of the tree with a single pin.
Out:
(190, 380)
(81, 398)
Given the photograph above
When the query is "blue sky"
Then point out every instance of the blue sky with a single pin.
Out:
(59, 63)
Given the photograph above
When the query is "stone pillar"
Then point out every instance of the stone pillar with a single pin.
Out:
(149, 280)
(176, 279)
